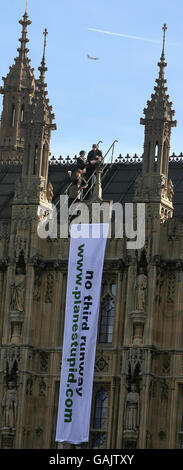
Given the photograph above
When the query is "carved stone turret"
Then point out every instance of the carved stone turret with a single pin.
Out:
(18, 90)
(38, 126)
(153, 186)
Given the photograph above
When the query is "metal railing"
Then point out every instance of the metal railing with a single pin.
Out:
(93, 183)
(93, 174)
(103, 168)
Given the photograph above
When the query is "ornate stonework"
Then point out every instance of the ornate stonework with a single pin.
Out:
(139, 363)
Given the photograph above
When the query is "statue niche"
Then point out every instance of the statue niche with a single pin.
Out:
(132, 410)
(18, 289)
(141, 286)
(9, 406)
(49, 192)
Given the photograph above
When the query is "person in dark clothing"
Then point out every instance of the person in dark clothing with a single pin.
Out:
(93, 158)
(81, 165)
(75, 191)
(81, 161)
(99, 155)
(76, 187)
(92, 154)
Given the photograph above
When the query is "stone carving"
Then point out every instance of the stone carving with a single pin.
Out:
(38, 263)
(171, 287)
(42, 388)
(101, 364)
(16, 321)
(17, 291)
(49, 288)
(132, 409)
(164, 390)
(135, 359)
(43, 361)
(20, 244)
(49, 192)
(166, 363)
(29, 385)
(12, 359)
(170, 191)
(141, 286)
(9, 406)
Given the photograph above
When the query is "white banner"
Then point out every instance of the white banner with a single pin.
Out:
(85, 268)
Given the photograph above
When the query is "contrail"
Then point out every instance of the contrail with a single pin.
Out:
(128, 36)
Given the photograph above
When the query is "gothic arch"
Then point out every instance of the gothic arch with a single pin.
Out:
(165, 157)
(22, 114)
(44, 160)
(13, 115)
(156, 153)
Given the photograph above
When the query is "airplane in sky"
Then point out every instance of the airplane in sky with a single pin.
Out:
(92, 58)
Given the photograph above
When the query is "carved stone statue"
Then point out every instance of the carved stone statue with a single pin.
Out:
(17, 291)
(170, 191)
(49, 192)
(9, 406)
(132, 410)
(141, 286)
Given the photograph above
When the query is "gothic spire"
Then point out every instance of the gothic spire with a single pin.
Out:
(164, 32)
(23, 50)
(159, 107)
(43, 67)
(40, 106)
(154, 187)
(162, 64)
(18, 90)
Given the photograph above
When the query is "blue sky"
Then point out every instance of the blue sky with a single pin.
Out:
(103, 99)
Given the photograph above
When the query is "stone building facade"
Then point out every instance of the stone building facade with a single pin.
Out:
(138, 382)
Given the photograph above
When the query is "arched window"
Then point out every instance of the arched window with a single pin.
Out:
(100, 419)
(165, 157)
(156, 151)
(44, 161)
(22, 114)
(107, 312)
(28, 160)
(13, 116)
(156, 156)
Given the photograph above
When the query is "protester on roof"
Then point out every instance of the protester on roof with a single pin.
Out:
(78, 184)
